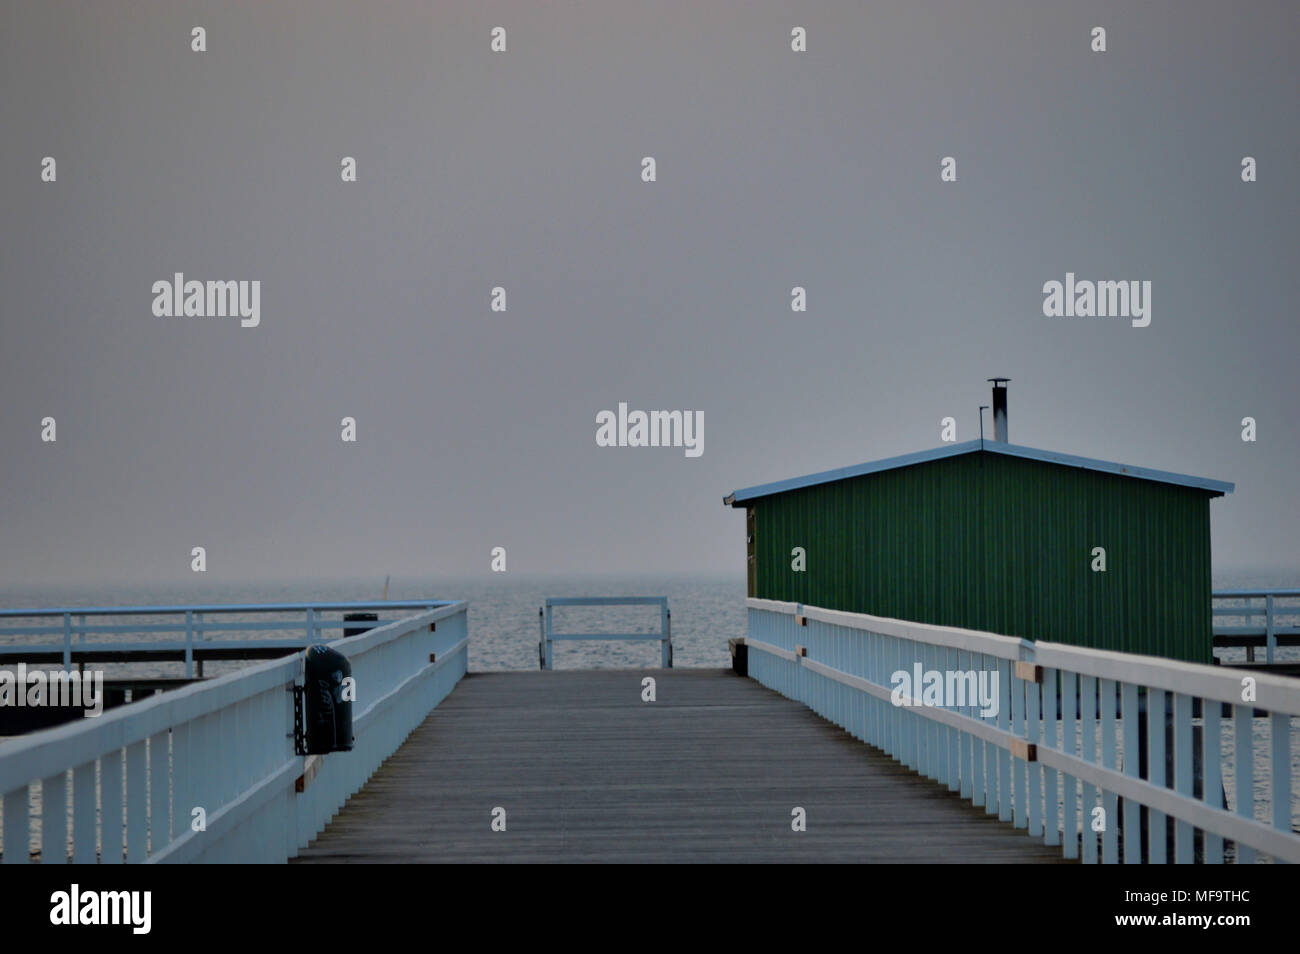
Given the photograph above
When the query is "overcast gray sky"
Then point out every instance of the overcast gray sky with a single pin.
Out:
(522, 169)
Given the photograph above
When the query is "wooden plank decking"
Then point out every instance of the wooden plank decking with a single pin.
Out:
(586, 771)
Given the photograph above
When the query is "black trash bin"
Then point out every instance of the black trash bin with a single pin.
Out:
(328, 716)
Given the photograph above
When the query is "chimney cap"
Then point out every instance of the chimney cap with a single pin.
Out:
(996, 380)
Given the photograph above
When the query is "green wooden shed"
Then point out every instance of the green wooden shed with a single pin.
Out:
(994, 536)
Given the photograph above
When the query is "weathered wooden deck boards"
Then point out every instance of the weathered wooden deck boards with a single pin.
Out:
(586, 771)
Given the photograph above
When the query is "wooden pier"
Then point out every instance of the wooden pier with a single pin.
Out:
(711, 771)
(820, 721)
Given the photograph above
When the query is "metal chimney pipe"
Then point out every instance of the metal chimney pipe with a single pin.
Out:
(1000, 409)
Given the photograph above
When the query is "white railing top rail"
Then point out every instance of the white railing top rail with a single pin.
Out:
(606, 601)
(1221, 683)
(953, 637)
(221, 608)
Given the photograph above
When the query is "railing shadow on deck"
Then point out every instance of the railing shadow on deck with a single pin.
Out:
(1069, 755)
(138, 774)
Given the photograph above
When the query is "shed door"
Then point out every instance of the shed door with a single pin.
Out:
(751, 550)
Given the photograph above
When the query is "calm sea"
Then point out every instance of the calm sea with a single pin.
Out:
(503, 623)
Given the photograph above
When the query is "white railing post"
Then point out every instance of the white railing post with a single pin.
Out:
(666, 644)
(1132, 769)
(1183, 775)
(17, 827)
(1280, 731)
(1244, 761)
(1211, 773)
(1018, 767)
(160, 833)
(1052, 807)
(1157, 842)
(54, 819)
(83, 814)
(1069, 706)
(137, 807)
(1270, 636)
(1034, 733)
(1109, 759)
(548, 637)
(199, 629)
(111, 817)
(1088, 750)
(979, 795)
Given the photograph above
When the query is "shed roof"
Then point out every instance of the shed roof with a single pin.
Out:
(1215, 488)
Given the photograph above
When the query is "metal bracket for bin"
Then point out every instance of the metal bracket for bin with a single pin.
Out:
(299, 735)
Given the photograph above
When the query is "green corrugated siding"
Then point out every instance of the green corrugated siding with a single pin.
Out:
(1004, 544)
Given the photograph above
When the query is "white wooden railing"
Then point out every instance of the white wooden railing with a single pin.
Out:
(1061, 755)
(1252, 618)
(142, 776)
